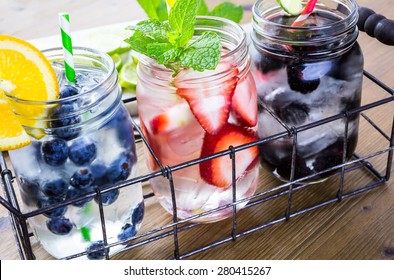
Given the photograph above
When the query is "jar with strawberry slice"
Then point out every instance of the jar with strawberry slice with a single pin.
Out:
(192, 114)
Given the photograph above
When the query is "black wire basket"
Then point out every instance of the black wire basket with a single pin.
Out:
(283, 194)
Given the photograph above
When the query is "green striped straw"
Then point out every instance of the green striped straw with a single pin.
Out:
(64, 21)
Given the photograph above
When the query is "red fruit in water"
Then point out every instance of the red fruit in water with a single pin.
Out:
(217, 171)
(244, 103)
(209, 100)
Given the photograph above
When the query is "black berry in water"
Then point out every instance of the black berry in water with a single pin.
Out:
(54, 152)
(97, 255)
(60, 226)
(82, 151)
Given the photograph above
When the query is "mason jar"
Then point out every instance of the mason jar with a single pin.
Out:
(197, 114)
(305, 73)
(82, 144)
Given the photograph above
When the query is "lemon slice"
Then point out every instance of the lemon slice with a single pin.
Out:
(292, 7)
(25, 74)
(170, 2)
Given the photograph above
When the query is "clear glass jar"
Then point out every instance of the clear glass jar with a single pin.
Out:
(177, 116)
(305, 74)
(81, 142)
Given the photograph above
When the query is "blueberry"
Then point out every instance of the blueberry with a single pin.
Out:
(68, 91)
(99, 172)
(82, 178)
(302, 79)
(82, 151)
(108, 197)
(75, 192)
(60, 226)
(97, 255)
(55, 151)
(127, 231)
(55, 213)
(64, 123)
(138, 213)
(120, 169)
(30, 191)
(55, 188)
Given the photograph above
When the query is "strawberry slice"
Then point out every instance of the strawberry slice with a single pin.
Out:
(209, 94)
(217, 171)
(244, 102)
(172, 118)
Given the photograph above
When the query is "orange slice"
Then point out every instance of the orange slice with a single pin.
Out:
(25, 74)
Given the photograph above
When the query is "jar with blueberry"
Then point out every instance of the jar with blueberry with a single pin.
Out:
(82, 147)
(306, 72)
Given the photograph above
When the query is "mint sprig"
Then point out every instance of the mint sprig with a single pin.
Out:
(170, 42)
(155, 9)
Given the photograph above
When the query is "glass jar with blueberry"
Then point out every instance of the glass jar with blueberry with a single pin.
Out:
(306, 72)
(82, 146)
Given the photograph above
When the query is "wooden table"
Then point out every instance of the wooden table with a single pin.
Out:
(361, 227)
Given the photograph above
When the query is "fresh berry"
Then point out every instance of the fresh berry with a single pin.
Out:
(60, 226)
(303, 78)
(99, 172)
(172, 118)
(108, 198)
(217, 171)
(210, 101)
(138, 213)
(54, 152)
(82, 178)
(244, 103)
(68, 91)
(29, 187)
(96, 255)
(292, 114)
(75, 192)
(64, 121)
(55, 188)
(128, 231)
(82, 151)
(52, 201)
(120, 169)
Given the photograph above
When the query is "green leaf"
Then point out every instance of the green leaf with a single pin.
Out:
(202, 54)
(228, 10)
(164, 52)
(139, 42)
(155, 9)
(85, 231)
(152, 28)
(181, 19)
(202, 9)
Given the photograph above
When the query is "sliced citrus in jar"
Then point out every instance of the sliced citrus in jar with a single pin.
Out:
(292, 7)
(25, 74)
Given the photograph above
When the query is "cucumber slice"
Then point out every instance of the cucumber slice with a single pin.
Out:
(292, 7)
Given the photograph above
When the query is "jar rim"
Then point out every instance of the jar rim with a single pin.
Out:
(350, 16)
(76, 50)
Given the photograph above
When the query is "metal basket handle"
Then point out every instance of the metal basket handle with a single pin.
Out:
(376, 25)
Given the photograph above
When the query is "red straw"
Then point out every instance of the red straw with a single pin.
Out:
(308, 9)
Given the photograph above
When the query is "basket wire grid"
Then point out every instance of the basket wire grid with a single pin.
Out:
(22, 234)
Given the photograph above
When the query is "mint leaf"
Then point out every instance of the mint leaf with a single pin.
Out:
(228, 10)
(155, 9)
(202, 54)
(202, 8)
(164, 52)
(139, 42)
(181, 19)
(152, 28)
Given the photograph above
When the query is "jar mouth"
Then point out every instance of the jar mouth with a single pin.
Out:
(233, 39)
(262, 17)
(99, 58)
